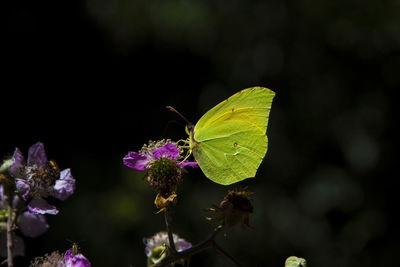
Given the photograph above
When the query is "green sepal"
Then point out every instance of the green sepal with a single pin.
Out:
(6, 164)
(157, 254)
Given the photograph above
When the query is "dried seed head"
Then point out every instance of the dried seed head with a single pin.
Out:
(41, 179)
(234, 209)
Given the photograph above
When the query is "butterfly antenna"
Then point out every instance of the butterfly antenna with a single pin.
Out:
(183, 117)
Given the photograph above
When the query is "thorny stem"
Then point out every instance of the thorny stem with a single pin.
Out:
(9, 237)
(169, 230)
(208, 243)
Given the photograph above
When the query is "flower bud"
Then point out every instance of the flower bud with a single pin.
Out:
(294, 261)
(234, 209)
(164, 175)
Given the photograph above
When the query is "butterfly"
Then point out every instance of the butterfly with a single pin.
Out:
(229, 141)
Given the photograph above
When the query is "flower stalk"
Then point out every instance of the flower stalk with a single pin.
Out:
(9, 236)
(168, 222)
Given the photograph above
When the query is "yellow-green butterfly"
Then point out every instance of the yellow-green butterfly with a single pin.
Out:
(229, 141)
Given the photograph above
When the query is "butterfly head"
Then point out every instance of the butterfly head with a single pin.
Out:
(189, 128)
(190, 131)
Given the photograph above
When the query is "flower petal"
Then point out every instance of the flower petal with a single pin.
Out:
(16, 168)
(65, 186)
(40, 206)
(37, 155)
(32, 225)
(168, 150)
(23, 187)
(188, 163)
(181, 244)
(136, 161)
(77, 260)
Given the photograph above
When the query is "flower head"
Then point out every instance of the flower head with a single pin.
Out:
(38, 178)
(157, 246)
(234, 209)
(56, 259)
(162, 160)
(74, 259)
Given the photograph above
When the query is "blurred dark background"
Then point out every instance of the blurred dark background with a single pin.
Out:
(90, 79)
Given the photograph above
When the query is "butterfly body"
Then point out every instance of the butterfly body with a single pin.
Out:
(229, 141)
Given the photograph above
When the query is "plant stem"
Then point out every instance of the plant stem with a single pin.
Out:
(9, 237)
(169, 230)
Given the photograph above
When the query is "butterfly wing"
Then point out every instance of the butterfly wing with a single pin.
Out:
(231, 140)
(251, 104)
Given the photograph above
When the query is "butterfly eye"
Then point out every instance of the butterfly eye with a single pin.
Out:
(235, 144)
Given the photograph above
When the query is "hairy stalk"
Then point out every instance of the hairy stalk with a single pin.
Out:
(208, 243)
(168, 222)
(9, 236)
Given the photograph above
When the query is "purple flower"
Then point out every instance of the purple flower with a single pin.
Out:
(39, 178)
(75, 260)
(141, 161)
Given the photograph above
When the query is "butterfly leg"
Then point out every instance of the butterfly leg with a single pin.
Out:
(188, 152)
(183, 141)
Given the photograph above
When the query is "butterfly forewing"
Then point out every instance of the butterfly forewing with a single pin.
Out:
(252, 104)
